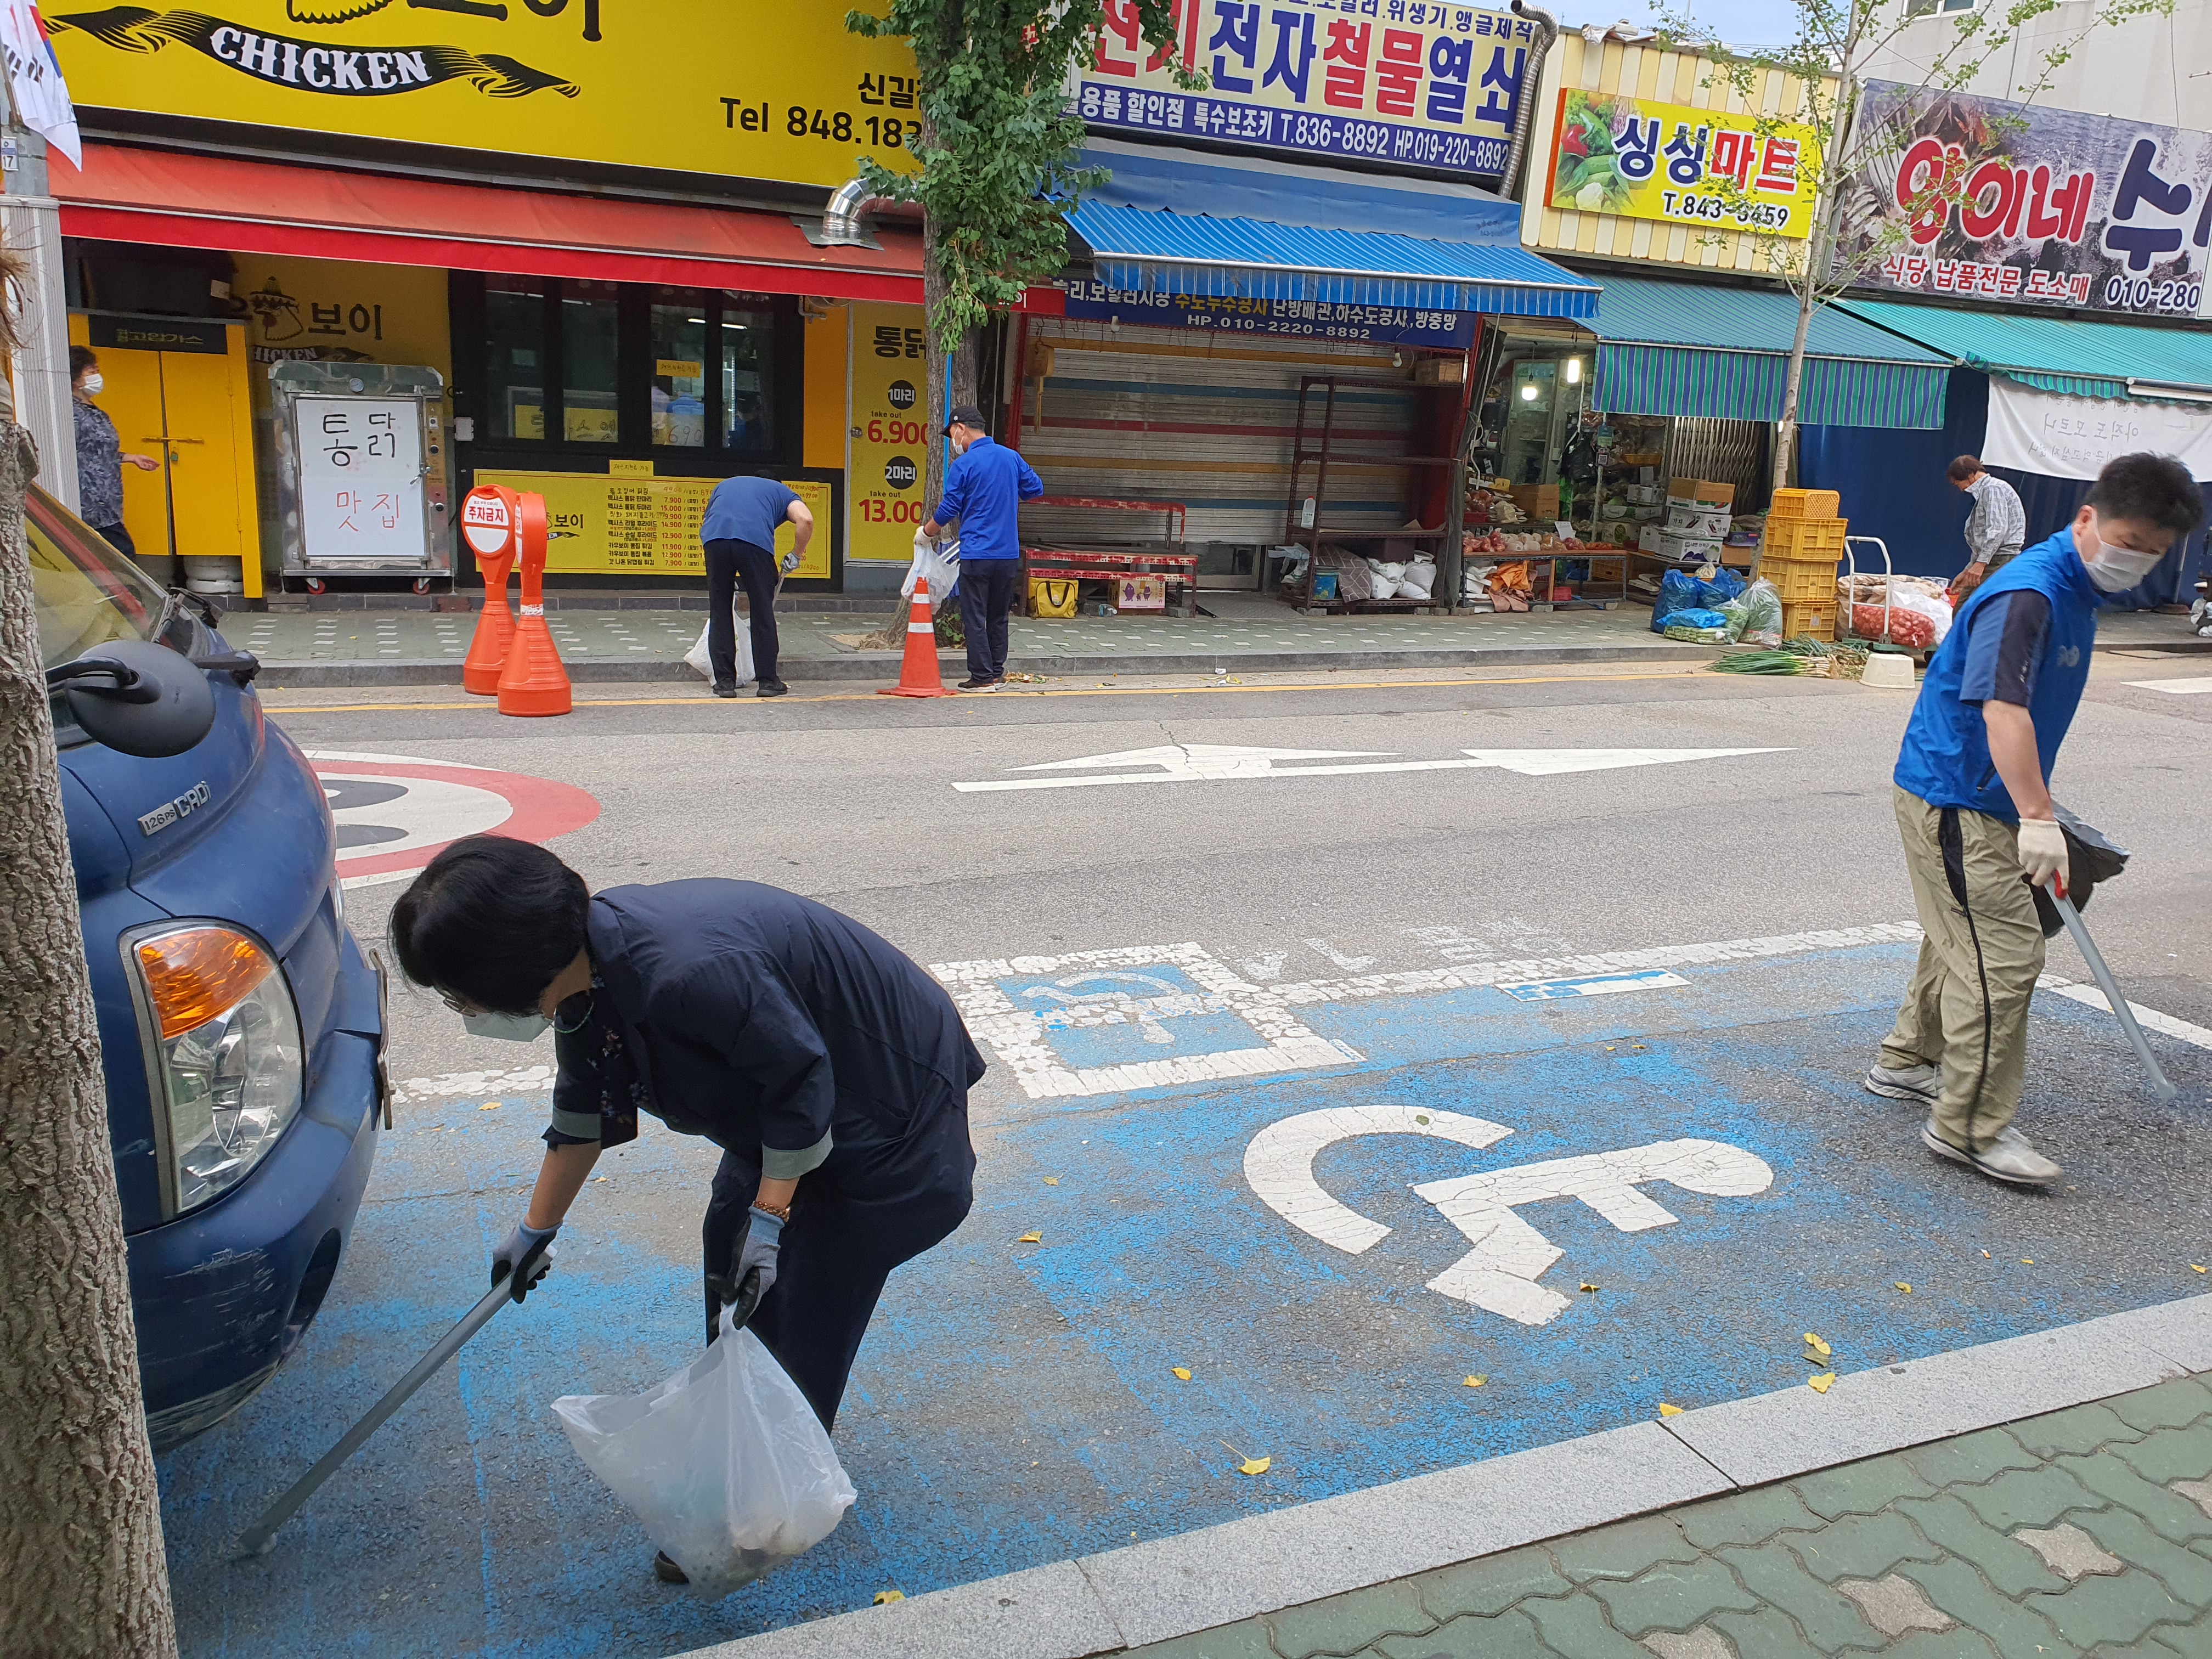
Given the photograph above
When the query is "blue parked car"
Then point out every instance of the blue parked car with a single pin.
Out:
(242, 1029)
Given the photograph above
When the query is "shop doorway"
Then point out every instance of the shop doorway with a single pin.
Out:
(177, 390)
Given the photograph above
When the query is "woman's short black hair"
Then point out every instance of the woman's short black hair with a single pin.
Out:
(81, 359)
(2151, 489)
(492, 921)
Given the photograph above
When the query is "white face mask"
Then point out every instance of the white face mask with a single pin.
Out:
(511, 1028)
(2113, 568)
(93, 384)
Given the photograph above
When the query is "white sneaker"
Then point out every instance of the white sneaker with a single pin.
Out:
(2008, 1158)
(1920, 1083)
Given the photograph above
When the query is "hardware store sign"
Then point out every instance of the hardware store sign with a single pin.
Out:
(1420, 85)
(2018, 203)
(781, 93)
(1704, 168)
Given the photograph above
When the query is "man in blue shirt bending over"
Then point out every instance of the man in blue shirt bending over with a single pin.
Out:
(738, 536)
(1973, 801)
(984, 490)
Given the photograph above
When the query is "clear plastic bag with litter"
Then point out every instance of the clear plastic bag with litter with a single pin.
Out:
(724, 1462)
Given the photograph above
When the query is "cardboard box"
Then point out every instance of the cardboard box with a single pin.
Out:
(1672, 545)
(1540, 501)
(1647, 475)
(1690, 519)
(1648, 514)
(1140, 594)
(1440, 371)
(1682, 490)
(1714, 494)
(1642, 494)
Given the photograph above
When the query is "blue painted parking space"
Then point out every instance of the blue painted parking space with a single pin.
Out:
(1343, 1202)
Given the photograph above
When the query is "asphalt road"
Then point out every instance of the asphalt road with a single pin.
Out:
(1015, 1404)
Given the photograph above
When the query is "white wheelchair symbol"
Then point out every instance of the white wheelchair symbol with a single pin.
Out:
(1499, 1273)
(1063, 992)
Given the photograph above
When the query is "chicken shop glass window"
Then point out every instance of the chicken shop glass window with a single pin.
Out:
(746, 327)
(678, 342)
(590, 352)
(514, 356)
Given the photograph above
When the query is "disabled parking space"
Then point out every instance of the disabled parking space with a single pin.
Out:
(1388, 1224)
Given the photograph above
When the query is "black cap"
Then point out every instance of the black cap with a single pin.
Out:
(966, 415)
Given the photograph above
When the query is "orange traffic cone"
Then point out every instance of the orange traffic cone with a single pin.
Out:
(533, 681)
(919, 674)
(488, 523)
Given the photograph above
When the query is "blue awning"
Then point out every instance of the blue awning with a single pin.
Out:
(1273, 231)
(1691, 349)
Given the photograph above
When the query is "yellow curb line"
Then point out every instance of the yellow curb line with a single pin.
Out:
(489, 707)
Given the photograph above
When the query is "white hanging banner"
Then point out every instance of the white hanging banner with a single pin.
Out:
(2061, 437)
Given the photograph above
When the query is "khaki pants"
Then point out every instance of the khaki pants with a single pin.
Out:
(1942, 1021)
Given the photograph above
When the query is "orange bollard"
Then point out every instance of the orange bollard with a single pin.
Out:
(488, 525)
(919, 674)
(533, 682)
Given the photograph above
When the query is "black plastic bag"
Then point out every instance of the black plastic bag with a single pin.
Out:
(2090, 858)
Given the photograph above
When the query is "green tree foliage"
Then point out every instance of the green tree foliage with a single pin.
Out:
(998, 146)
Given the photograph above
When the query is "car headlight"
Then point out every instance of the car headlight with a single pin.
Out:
(226, 1052)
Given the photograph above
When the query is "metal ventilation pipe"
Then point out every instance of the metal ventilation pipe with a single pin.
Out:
(845, 220)
(1524, 113)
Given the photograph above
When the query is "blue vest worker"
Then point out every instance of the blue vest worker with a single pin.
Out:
(1973, 804)
(984, 490)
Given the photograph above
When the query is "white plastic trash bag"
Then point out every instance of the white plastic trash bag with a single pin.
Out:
(940, 561)
(724, 1462)
(1420, 580)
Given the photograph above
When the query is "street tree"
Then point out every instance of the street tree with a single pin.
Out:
(997, 157)
(81, 1570)
(1825, 59)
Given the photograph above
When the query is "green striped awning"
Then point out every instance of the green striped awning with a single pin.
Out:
(1681, 348)
(2056, 353)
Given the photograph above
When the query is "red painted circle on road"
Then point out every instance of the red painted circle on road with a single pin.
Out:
(395, 813)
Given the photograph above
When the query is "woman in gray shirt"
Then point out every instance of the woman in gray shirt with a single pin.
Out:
(99, 455)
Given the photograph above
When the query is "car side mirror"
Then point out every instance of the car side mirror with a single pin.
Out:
(137, 698)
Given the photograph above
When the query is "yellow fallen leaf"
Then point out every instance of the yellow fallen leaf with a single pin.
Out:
(599, 1178)
(1031, 1238)
(1985, 1255)
(2028, 1261)
(1421, 1118)
(1816, 1344)
(1823, 1382)
(885, 1598)
(1477, 1380)
(1906, 1288)
(2194, 1268)
(1052, 1181)
(1255, 1466)
(1183, 1372)
(1588, 1285)
(488, 1106)
(1666, 1410)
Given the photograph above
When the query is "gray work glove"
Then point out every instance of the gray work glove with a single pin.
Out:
(752, 1267)
(522, 1257)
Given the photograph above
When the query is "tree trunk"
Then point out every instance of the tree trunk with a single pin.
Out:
(1785, 430)
(962, 364)
(80, 1555)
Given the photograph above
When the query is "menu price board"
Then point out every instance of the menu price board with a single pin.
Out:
(600, 524)
(887, 459)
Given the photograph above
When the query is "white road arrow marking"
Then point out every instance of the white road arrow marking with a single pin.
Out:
(1499, 1274)
(1225, 763)
(1278, 1164)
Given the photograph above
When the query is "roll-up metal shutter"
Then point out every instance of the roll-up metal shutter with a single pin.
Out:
(1209, 420)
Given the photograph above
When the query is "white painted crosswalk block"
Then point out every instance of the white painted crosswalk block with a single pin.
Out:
(1500, 1273)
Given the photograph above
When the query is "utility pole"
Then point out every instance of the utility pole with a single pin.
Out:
(31, 223)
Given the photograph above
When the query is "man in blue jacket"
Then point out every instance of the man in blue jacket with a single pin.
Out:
(984, 490)
(1973, 802)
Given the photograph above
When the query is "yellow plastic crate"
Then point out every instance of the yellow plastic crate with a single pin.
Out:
(1805, 539)
(1798, 579)
(1815, 619)
(1805, 504)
